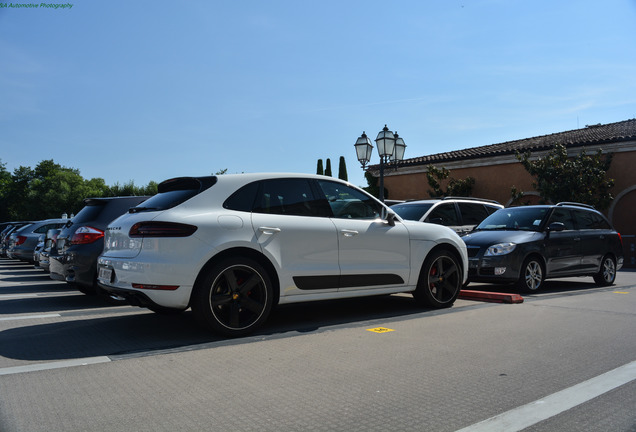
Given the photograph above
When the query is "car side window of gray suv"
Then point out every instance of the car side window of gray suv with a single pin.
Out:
(590, 220)
(564, 216)
(443, 214)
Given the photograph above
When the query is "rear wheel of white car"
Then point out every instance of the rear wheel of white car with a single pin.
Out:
(440, 280)
(234, 297)
(607, 274)
(531, 276)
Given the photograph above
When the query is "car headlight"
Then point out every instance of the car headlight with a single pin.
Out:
(500, 249)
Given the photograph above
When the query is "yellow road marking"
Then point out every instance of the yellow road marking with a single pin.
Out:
(621, 292)
(380, 330)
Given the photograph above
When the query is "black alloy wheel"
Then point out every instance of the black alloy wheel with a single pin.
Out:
(440, 280)
(234, 298)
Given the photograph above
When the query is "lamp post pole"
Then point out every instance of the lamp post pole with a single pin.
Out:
(390, 149)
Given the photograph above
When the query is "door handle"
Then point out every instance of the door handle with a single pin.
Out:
(269, 230)
(349, 233)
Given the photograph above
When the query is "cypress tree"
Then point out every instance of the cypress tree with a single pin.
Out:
(328, 168)
(342, 170)
(319, 169)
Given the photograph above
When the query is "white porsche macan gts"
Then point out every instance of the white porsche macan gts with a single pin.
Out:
(233, 246)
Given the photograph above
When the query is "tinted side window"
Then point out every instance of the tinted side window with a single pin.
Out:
(491, 209)
(564, 216)
(349, 203)
(242, 199)
(44, 228)
(293, 197)
(444, 214)
(590, 220)
(472, 213)
(411, 211)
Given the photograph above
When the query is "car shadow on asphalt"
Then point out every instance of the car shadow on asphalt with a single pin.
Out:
(51, 304)
(147, 332)
(550, 286)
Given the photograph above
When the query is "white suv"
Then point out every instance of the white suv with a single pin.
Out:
(462, 214)
(232, 246)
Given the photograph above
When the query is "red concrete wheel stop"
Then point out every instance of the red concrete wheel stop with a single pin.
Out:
(493, 297)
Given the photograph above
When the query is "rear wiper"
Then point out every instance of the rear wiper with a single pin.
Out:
(139, 209)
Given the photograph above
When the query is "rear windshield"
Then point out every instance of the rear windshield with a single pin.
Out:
(411, 211)
(89, 212)
(174, 192)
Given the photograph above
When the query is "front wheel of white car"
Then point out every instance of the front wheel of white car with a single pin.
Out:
(440, 280)
(234, 297)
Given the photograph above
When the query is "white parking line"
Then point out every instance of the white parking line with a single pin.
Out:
(24, 317)
(527, 415)
(53, 365)
(16, 296)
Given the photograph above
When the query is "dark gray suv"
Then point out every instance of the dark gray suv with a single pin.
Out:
(525, 245)
(81, 240)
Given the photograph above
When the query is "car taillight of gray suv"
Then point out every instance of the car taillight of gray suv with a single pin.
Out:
(81, 240)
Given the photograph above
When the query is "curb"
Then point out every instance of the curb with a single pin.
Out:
(493, 297)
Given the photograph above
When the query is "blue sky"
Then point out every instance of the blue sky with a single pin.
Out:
(148, 90)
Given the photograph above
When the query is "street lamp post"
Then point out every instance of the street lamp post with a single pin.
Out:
(390, 149)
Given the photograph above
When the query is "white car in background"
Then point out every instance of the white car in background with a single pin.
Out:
(233, 246)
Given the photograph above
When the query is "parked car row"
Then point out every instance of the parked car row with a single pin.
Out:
(232, 247)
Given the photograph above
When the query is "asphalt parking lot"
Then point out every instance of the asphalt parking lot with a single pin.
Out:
(564, 359)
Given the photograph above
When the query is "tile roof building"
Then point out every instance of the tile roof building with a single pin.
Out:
(496, 169)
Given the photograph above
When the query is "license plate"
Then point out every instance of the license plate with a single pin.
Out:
(105, 275)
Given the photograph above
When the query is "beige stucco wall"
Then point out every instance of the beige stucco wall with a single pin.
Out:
(495, 182)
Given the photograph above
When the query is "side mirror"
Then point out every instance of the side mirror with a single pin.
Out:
(388, 216)
(556, 227)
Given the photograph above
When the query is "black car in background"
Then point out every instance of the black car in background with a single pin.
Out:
(525, 245)
(81, 240)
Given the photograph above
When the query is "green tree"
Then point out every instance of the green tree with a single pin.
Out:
(455, 187)
(5, 185)
(328, 168)
(342, 170)
(18, 192)
(373, 188)
(130, 189)
(50, 190)
(319, 168)
(582, 178)
(54, 190)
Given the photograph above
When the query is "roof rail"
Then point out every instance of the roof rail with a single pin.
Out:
(576, 204)
(471, 199)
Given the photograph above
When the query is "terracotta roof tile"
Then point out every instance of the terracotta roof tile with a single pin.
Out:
(590, 135)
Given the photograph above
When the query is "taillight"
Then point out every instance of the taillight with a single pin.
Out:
(19, 240)
(86, 234)
(161, 229)
(620, 237)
